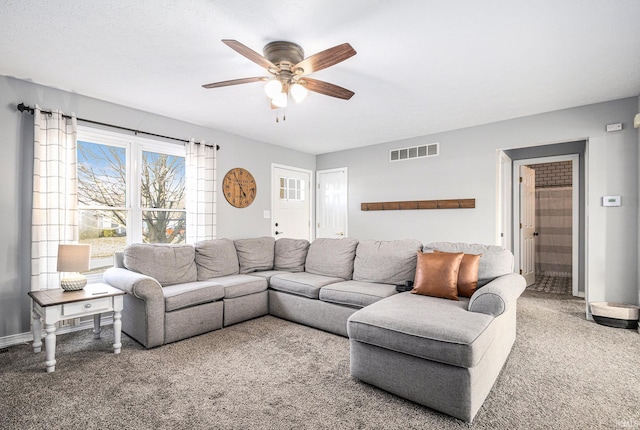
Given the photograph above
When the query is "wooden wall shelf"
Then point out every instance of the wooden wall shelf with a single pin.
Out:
(419, 204)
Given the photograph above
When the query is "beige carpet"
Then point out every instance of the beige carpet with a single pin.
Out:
(564, 373)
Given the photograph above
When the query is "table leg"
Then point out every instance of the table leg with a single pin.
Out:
(50, 345)
(37, 332)
(96, 326)
(117, 331)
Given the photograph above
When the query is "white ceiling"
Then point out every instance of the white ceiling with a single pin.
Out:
(423, 66)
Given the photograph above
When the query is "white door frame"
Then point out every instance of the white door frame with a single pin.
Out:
(274, 166)
(575, 210)
(503, 202)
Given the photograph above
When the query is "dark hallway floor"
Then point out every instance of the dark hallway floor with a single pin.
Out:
(552, 284)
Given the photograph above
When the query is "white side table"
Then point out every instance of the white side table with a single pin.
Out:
(57, 304)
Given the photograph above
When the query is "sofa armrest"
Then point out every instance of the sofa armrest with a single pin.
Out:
(141, 286)
(143, 316)
(498, 295)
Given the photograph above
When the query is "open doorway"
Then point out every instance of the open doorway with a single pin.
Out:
(557, 256)
(554, 226)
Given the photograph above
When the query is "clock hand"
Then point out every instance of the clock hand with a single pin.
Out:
(239, 185)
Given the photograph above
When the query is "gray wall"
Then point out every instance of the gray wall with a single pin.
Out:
(16, 138)
(467, 167)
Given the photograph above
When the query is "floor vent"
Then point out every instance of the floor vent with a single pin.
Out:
(401, 154)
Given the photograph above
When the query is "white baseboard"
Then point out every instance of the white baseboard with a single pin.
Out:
(27, 338)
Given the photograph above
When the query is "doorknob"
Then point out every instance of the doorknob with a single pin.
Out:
(279, 232)
(340, 234)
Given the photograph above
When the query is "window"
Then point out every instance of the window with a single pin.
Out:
(291, 189)
(130, 190)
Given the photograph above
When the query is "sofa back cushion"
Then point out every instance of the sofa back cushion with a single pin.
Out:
(495, 260)
(167, 264)
(290, 254)
(255, 254)
(331, 257)
(386, 262)
(215, 258)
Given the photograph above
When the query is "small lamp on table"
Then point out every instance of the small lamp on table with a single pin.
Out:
(73, 259)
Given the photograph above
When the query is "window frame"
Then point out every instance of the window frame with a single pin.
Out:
(134, 147)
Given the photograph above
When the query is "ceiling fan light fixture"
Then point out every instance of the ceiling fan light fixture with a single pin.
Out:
(273, 88)
(298, 92)
(280, 100)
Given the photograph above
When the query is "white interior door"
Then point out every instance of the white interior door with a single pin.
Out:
(527, 223)
(331, 203)
(291, 203)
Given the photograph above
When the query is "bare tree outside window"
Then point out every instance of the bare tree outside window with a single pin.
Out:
(162, 187)
(102, 198)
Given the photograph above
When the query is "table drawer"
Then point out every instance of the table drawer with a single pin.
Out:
(86, 307)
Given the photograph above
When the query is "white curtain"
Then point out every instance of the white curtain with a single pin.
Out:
(55, 200)
(200, 172)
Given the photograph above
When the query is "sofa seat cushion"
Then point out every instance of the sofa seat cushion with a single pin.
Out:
(355, 293)
(267, 274)
(426, 327)
(180, 296)
(241, 285)
(302, 283)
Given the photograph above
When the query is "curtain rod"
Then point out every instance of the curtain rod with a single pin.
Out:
(24, 108)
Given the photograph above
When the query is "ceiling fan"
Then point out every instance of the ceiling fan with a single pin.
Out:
(289, 69)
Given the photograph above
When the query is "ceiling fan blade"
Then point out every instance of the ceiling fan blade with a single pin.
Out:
(250, 54)
(235, 82)
(326, 88)
(326, 58)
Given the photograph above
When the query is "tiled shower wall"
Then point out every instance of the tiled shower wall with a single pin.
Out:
(553, 218)
(551, 175)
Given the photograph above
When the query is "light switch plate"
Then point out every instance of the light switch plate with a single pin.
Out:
(611, 201)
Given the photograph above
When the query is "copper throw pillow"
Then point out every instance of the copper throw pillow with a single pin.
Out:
(437, 274)
(468, 274)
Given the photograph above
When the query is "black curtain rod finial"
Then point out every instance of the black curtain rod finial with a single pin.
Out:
(22, 107)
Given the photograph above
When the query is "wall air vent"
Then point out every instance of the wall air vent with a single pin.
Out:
(401, 154)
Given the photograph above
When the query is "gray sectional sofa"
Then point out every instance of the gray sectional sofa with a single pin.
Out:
(441, 353)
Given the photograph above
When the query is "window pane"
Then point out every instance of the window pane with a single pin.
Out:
(163, 226)
(102, 172)
(106, 232)
(162, 181)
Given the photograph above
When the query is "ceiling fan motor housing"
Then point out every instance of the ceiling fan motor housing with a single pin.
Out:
(285, 55)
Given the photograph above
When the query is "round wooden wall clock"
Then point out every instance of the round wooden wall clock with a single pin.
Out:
(239, 187)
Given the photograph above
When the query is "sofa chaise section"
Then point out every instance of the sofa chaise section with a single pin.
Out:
(444, 354)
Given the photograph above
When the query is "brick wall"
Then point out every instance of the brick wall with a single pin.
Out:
(551, 175)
